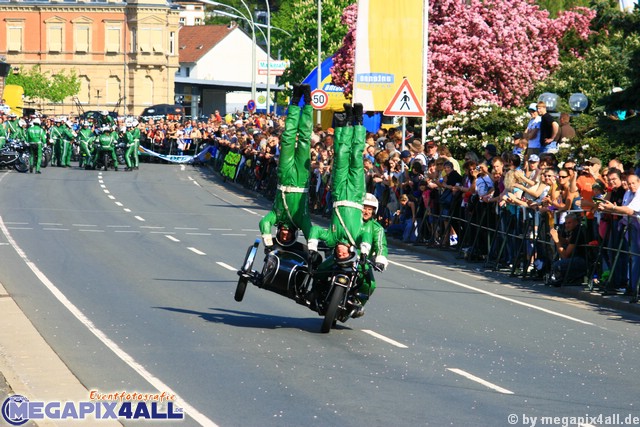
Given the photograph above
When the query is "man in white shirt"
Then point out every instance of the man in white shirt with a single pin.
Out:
(532, 133)
(631, 209)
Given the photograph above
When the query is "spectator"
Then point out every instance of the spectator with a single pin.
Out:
(404, 220)
(569, 244)
(432, 151)
(548, 130)
(532, 133)
(417, 152)
(565, 130)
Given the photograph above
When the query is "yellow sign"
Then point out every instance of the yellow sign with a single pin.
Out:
(389, 47)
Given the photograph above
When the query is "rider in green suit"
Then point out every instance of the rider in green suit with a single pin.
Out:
(107, 141)
(291, 205)
(36, 137)
(86, 136)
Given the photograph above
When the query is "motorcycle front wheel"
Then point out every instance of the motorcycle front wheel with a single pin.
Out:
(46, 158)
(22, 164)
(332, 309)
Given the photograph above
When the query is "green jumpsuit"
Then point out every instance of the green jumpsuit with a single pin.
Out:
(3, 135)
(85, 138)
(291, 205)
(107, 141)
(347, 190)
(132, 138)
(13, 129)
(36, 137)
(378, 253)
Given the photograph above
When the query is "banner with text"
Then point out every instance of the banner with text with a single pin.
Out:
(389, 47)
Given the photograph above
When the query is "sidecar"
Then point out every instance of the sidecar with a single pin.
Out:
(284, 272)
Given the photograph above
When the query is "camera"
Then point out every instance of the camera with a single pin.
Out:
(478, 168)
(579, 168)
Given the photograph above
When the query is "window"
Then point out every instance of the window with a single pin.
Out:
(150, 40)
(198, 21)
(172, 43)
(187, 71)
(144, 40)
(113, 39)
(55, 33)
(156, 39)
(82, 34)
(15, 34)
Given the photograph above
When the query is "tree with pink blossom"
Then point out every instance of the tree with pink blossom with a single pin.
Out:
(493, 51)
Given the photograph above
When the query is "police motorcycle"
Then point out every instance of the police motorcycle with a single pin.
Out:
(15, 153)
(104, 160)
(331, 292)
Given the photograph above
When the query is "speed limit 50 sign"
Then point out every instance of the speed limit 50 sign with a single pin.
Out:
(319, 99)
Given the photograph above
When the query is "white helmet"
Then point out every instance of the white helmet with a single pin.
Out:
(370, 200)
(105, 128)
(104, 112)
(134, 123)
(86, 123)
(128, 123)
(21, 122)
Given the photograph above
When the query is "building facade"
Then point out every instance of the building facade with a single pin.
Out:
(125, 53)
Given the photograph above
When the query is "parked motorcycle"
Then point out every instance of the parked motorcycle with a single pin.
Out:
(104, 160)
(287, 273)
(15, 153)
(47, 154)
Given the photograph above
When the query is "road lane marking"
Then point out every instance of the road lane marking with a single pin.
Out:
(84, 225)
(190, 179)
(16, 223)
(183, 167)
(103, 186)
(54, 229)
(112, 197)
(196, 251)
(126, 231)
(139, 218)
(196, 183)
(50, 223)
(232, 234)
(491, 294)
(20, 228)
(173, 239)
(249, 229)
(112, 345)
(92, 231)
(119, 204)
(118, 226)
(127, 210)
(198, 234)
(106, 191)
(480, 381)
(219, 229)
(383, 338)
(184, 228)
(161, 232)
(227, 266)
(157, 227)
(250, 211)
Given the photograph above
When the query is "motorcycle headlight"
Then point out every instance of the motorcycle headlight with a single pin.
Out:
(342, 280)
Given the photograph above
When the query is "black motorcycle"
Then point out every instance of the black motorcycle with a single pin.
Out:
(331, 293)
(104, 160)
(47, 154)
(15, 153)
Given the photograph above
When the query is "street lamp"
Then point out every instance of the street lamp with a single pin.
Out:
(268, 56)
(253, 39)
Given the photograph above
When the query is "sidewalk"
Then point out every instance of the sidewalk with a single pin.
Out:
(29, 367)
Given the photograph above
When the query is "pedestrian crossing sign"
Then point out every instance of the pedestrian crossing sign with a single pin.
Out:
(404, 102)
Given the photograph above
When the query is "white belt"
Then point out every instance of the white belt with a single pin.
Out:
(348, 203)
(292, 189)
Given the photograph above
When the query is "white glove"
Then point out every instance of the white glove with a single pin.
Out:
(365, 248)
(312, 245)
(267, 239)
(382, 262)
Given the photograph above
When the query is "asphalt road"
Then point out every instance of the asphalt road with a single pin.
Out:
(130, 278)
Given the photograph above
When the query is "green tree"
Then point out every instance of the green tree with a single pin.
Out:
(299, 18)
(556, 6)
(43, 86)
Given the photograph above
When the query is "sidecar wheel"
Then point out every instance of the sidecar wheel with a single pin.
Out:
(332, 310)
(250, 257)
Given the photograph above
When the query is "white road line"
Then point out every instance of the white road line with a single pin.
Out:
(480, 381)
(219, 229)
(198, 234)
(183, 167)
(54, 229)
(118, 226)
(84, 225)
(124, 356)
(185, 228)
(190, 179)
(16, 223)
(139, 218)
(49, 223)
(112, 197)
(92, 231)
(250, 211)
(173, 239)
(491, 294)
(103, 186)
(196, 251)
(232, 234)
(249, 229)
(127, 210)
(126, 231)
(119, 204)
(106, 191)
(227, 266)
(156, 227)
(196, 183)
(383, 338)
(20, 228)
(161, 232)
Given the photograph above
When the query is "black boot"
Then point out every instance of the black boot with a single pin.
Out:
(358, 113)
(297, 95)
(348, 110)
(306, 92)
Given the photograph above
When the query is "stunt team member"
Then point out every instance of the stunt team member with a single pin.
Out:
(36, 137)
(86, 136)
(107, 141)
(291, 206)
(347, 188)
(132, 137)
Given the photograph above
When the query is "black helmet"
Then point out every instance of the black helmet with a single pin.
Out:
(292, 237)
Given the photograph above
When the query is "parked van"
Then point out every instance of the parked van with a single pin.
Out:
(163, 111)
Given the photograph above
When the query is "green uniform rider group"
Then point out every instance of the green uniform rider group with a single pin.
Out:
(353, 231)
(93, 140)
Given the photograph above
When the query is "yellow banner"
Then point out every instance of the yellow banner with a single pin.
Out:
(389, 47)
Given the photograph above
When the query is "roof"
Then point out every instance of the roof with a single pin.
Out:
(196, 41)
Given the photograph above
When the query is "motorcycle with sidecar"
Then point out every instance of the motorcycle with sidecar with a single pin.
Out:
(331, 291)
